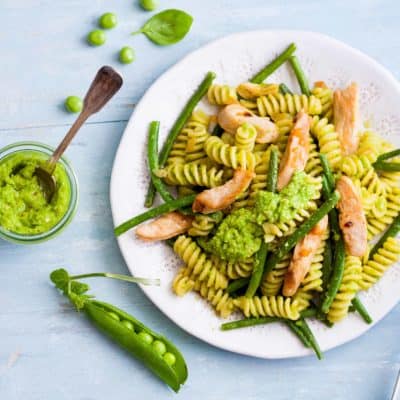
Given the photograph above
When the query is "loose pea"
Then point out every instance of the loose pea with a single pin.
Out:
(149, 5)
(126, 55)
(146, 337)
(159, 347)
(108, 21)
(128, 324)
(96, 37)
(169, 358)
(73, 104)
(113, 315)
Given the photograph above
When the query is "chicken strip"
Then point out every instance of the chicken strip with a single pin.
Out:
(296, 152)
(352, 219)
(345, 113)
(231, 117)
(221, 197)
(165, 227)
(302, 257)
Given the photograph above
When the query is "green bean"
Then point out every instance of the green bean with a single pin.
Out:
(387, 166)
(390, 154)
(302, 324)
(360, 308)
(284, 89)
(154, 212)
(237, 284)
(327, 172)
(244, 323)
(392, 231)
(272, 178)
(152, 157)
(301, 77)
(326, 264)
(298, 332)
(336, 277)
(300, 232)
(258, 270)
(177, 127)
(274, 65)
(217, 131)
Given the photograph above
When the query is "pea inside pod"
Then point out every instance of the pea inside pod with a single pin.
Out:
(153, 349)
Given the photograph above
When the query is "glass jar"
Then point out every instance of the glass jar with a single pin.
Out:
(46, 152)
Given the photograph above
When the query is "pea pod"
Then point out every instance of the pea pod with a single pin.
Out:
(173, 375)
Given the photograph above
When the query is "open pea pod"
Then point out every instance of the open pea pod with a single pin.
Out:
(103, 316)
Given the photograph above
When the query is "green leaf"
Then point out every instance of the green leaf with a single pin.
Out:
(79, 287)
(60, 278)
(167, 27)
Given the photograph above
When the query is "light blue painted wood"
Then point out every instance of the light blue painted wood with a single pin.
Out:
(47, 351)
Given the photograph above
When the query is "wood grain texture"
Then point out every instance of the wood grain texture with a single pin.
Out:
(47, 351)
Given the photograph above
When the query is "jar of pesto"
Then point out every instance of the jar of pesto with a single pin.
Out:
(25, 214)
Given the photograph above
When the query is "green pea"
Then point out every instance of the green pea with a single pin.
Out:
(128, 324)
(149, 5)
(108, 21)
(113, 315)
(96, 37)
(73, 104)
(159, 347)
(169, 358)
(126, 55)
(146, 337)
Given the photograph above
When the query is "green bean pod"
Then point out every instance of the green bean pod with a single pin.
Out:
(237, 284)
(300, 75)
(126, 331)
(284, 89)
(337, 276)
(387, 166)
(360, 308)
(258, 270)
(389, 154)
(298, 331)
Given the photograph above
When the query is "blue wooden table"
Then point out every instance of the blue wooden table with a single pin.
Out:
(47, 350)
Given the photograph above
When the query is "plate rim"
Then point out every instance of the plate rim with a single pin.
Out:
(368, 59)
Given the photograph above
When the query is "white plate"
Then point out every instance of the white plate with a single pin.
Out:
(234, 59)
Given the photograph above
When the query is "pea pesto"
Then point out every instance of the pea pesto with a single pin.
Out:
(23, 207)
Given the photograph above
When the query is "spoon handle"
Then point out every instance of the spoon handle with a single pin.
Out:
(106, 83)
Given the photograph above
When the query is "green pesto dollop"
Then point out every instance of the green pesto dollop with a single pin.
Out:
(283, 206)
(23, 207)
(238, 237)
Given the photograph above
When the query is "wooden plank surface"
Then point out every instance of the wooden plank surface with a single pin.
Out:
(47, 351)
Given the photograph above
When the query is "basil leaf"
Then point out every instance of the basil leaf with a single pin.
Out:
(167, 27)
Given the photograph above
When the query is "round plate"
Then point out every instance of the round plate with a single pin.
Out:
(235, 58)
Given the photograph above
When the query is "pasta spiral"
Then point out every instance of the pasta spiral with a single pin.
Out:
(203, 224)
(195, 144)
(260, 179)
(284, 123)
(357, 165)
(272, 282)
(313, 166)
(245, 137)
(268, 306)
(234, 270)
(192, 174)
(219, 299)
(221, 95)
(325, 95)
(347, 290)
(182, 283)
(374, 269)
(288, 103)
(328, 140)
(227, 155)
(199, 266)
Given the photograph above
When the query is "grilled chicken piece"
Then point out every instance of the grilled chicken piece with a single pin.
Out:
(231, 117)
(221, 197)
(345, 113)
(352, 220)
(302, 257)
(296, 152)
(165, 227)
